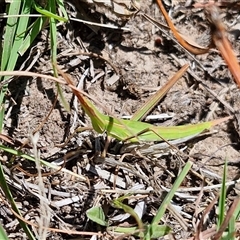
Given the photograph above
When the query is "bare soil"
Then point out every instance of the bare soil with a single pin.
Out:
(144, 58)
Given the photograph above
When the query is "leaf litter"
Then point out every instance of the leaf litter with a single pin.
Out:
(136, 63)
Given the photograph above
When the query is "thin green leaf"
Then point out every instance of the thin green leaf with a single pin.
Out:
(62, 8)
(32, 34)
(231, 229)
(11, 26)
(19, 35)
(158, 230)
(49, 13)
(97, 215)
(222, 198)
(126, 230)
(167, 200)
(127, 209)
(232, 223)
(170, 195)
(14, 35)
(53, 33)
(3, 234)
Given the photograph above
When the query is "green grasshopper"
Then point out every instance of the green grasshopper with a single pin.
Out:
(131, 130)
(136, 131)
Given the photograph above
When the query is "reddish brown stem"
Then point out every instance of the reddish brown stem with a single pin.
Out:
(222, 43)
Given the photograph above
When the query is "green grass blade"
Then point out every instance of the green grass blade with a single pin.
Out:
(49, 14)
(53, 33)
(40, 23)
(3, 234)
(231, 228)
(222, 198)
(170, 195)
(53, 36)
(96, 214)
(232, 223)
(32, 34)
(127, 209)
(12, 9)
(62, 9)
(19, 35)
(11, 26)
(167, 200)
(159, 231)
(14, 35)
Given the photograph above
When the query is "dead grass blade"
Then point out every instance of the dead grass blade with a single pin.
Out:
(154, 99)
(222, 43)
(191, 48)
(199, 234)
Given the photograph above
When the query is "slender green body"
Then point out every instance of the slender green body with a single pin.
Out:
(123, 129)
(135, 131)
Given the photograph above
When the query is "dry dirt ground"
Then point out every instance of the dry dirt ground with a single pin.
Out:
(132, 65)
